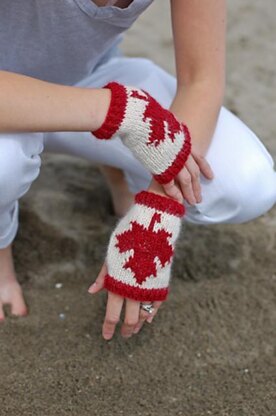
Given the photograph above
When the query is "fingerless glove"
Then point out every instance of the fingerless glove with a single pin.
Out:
(153, 134)
(141, 248)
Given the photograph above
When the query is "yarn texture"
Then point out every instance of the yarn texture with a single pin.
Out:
(153, 134)
(141, 248)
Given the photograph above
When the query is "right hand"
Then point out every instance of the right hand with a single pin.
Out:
(187, 183)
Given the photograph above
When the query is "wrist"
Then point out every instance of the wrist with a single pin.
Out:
(101, 102)
(211, 90)
(151, 132)
(198, 107)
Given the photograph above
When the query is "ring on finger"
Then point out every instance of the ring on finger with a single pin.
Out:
(148, 307)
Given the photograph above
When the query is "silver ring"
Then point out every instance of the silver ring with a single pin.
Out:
(148, 307)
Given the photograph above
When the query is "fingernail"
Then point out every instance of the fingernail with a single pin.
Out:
(136, 330)
(149, 320)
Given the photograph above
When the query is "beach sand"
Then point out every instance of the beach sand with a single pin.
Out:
(211, 351)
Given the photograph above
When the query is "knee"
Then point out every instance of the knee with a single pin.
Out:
(16, 171)
(156, 81)
(244, 186)
(263, 196)
(134, 71)
(239, 198)
(255, 194)
(145, 74)
(141, 67)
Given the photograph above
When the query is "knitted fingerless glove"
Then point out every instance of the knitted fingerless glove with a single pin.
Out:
(141, 248)
(153, 134)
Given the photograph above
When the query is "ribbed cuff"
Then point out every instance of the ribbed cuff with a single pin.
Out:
(133, 292)
(160, 203)
(116, 112)
(172, 171)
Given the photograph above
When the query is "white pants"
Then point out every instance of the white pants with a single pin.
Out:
(244, 186)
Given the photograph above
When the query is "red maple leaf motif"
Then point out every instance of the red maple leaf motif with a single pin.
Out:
(147, 244)
(158, 115)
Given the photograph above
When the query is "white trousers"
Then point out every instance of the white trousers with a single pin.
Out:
(243, 188)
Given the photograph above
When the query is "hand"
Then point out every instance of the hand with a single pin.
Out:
(187, 183)
(134, 316)
(138, 261)
(153, 134)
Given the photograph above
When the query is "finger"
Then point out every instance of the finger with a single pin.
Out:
(2, 315)
(172, 190)
(194, 171)
(196, 185)
(99, 282)
(18, 305)
(196, 189)
(156, 306)
(131, 318)
(146, 317)
(204, 167)
(185, 182)
(142, 319)
(112, 316)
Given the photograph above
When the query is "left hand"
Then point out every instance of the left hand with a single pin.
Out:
(187, 183)
(135, 317)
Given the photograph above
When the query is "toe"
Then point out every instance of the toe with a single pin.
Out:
(18, 305)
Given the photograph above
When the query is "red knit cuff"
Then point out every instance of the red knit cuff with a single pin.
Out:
(178, 163)
(116, 112)
(133, 292)
(160, 202)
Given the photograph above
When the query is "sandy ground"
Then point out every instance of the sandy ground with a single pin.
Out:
(212, 349)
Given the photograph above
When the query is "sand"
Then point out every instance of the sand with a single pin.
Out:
(211, 351)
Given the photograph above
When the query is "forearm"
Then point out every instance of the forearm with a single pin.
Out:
(198, 106)
(28, 104)
(199, 39)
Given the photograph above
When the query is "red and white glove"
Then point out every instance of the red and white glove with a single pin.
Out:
(153, 134)
(141, 248)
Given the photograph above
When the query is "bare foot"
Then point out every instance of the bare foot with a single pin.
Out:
(10, 290)
(122, 198)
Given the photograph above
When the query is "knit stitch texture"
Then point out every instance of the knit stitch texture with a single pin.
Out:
(152, 133)
(141, 248)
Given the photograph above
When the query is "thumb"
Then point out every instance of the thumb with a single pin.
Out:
(98, 285)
